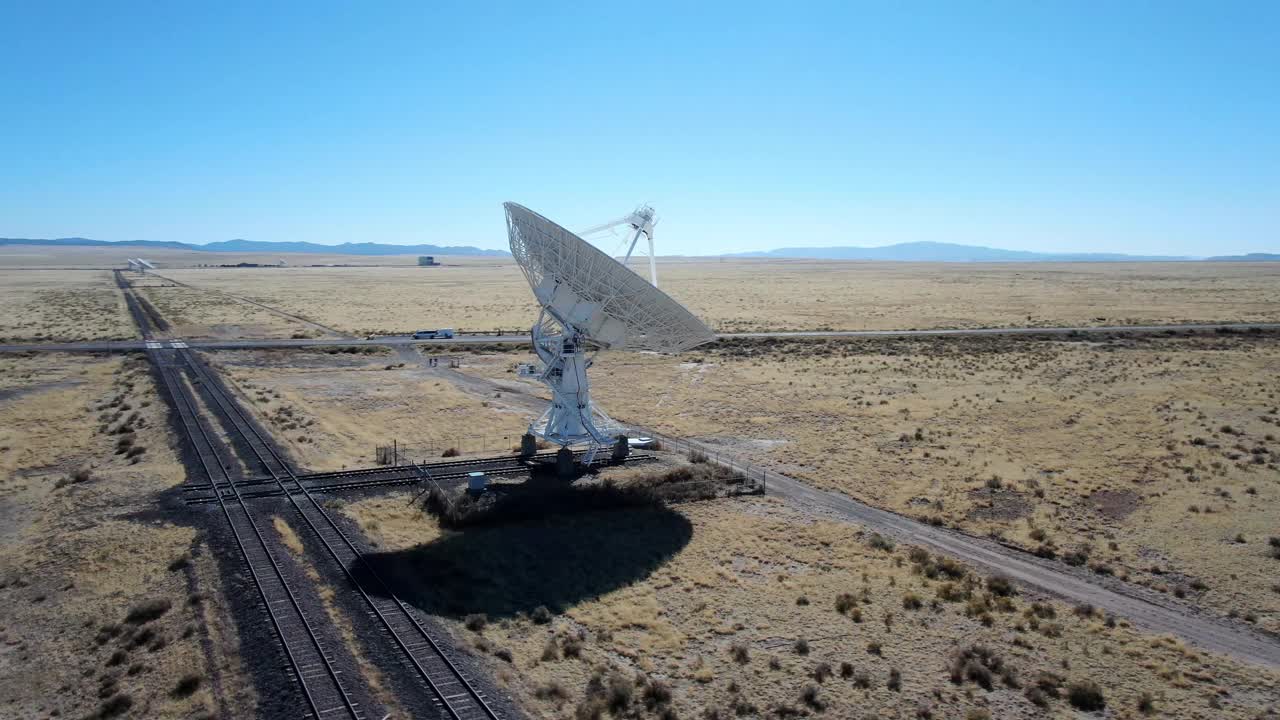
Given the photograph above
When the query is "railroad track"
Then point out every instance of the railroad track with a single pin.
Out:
(453, 691)
(311, 664)
(144, 313)
(372, 478)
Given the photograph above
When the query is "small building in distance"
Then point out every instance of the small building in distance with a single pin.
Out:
(427, 261)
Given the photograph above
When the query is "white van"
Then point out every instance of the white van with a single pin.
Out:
(442, 333)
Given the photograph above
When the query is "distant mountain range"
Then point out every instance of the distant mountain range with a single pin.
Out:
(1251, 257)
(903, 252)
(947, 252)
(255, 246)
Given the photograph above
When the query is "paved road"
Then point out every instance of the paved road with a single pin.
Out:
(1099, 329)
(402, 340)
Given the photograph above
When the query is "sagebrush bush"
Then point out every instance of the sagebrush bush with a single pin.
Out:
(1001, 586)
(551, 691)
(459, 510)
(186, 686)
(979, 664)
(571, 646)
(115, 705)
(147, 611)
(656, 694)
(1086, 695)
(811, 696)
(880, 542)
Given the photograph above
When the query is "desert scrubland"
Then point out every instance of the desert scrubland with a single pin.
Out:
(201, 314)
(742, 295)
(751, 608)
(1072, 449)
(332, 409)
(109, 607)
(1151, 460)
(61, 306)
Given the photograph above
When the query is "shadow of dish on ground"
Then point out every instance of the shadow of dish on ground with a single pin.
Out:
(556, 561)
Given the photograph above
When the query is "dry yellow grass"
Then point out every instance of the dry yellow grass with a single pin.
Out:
(331, 411)
(1147, 459)
(1111, 455)
(717, 621)
(193, 313)
(732, 295)
(61, 306)
(384, 300)
(76, 559)
(784, 295)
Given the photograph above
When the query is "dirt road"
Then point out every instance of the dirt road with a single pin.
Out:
(1147, 609)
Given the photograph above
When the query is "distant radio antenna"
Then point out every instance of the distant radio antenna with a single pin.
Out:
(642, 220)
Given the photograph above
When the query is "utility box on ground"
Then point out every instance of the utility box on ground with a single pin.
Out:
(528, 445)
(621, 449)
(566, 465)
(477, 482)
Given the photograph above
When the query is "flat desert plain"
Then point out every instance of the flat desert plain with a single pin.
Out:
(1153, 460)
(742, 295)
(1075, 449)
(61, 306)
(753, 606)
(1150, 461)
(110, 608)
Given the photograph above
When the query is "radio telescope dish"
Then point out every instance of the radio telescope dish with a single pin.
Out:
(590, 302)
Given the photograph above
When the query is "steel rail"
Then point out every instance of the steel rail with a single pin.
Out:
(183, 403)
(406, 475)
(271, 461)
(403, 478)
(479, 463)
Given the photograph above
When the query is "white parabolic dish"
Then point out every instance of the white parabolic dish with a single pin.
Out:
(607, 303)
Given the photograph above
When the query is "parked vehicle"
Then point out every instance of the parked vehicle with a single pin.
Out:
(441, 334)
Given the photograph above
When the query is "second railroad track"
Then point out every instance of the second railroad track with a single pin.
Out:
(455, 693)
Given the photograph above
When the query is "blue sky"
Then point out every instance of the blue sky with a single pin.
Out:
(1123, 127)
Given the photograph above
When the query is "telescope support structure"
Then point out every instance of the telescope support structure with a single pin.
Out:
(572, 418)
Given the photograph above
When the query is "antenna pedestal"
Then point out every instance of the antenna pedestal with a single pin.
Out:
(572, 417)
